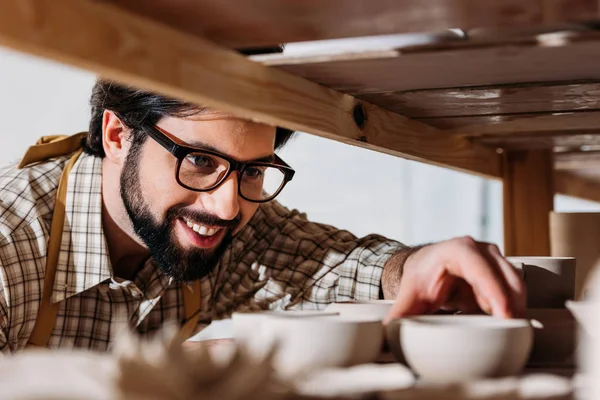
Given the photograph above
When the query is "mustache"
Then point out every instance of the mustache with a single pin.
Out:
(205, 218)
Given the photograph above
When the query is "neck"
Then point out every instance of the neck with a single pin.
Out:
(127, 252)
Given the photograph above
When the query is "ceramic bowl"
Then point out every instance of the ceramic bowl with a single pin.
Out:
(248, 327)
(304, 344)
(308, 340)
(457, 348)
(368, 308)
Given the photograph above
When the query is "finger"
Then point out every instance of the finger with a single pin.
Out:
(513, 281)
(484, 277)
(462, 299)
(414, 300)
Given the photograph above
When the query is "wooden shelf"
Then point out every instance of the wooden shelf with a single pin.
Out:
(519, 76)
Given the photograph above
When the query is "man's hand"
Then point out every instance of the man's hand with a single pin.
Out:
(458, 274)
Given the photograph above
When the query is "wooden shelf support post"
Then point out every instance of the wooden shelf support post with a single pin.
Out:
(528, 194)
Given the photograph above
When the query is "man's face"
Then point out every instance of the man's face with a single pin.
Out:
(186, 231)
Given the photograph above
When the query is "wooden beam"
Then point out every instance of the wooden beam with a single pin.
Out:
(492, 100)
(528, 196)
(446, 68)
(571, 183)
(576, 160)
(559, 142)
(583, 122)
(149, 55)
(255, 23)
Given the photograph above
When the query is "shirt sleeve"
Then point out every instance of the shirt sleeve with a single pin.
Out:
(283, 260)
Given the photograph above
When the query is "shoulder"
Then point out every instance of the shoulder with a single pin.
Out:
(27, 195)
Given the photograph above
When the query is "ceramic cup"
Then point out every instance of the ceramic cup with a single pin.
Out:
(458, 348)
(550, 281)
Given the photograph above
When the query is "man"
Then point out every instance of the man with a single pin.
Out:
(170, 215)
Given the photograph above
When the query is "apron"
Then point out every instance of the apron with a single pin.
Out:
(53, 146)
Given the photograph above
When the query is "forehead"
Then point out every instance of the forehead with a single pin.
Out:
(236, 137)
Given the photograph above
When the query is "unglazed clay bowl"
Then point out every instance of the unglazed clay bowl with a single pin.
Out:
(248, 327)
(303, 344)
(368, 308)
(458, 348)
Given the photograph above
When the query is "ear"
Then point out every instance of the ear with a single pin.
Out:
(114, 137)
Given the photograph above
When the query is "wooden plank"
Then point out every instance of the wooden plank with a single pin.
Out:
(490, 100)
(496, 65)
(584, 122)
(137, 51)
(252, 23)
(524, 142)
(575, 184)
(528, 198)
(576, 160)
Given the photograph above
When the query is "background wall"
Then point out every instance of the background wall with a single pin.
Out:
(349, 187)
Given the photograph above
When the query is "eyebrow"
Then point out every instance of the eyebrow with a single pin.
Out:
(203, 146)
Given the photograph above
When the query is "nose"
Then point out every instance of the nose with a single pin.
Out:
(223, 202)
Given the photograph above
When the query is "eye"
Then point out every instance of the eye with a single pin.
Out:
(254, 173)
(201, 161)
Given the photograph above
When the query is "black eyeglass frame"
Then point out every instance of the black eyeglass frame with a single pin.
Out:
(181, 151)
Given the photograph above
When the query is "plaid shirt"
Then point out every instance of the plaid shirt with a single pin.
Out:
(279, 260)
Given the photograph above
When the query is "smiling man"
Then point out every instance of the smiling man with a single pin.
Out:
(170, 214)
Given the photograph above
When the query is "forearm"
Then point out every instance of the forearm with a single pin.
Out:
(392, 272)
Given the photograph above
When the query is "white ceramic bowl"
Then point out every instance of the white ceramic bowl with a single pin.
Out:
(367, 308)
(305, 341)
(457, 348)
(248, 327)
(326, 341)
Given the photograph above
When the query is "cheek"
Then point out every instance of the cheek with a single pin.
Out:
(159, 187)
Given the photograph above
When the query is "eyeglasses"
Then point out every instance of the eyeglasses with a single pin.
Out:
(203, 170)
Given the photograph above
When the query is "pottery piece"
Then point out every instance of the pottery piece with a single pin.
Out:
(455, 348)
(550, 281)
(304, 344)
(370, 308)
(554, 338)
(576, 234)
(248, 327)
(309, 340)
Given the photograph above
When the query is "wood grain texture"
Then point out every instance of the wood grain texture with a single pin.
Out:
(496, 65)
(524, 142)
(528, 198)
(577, 160)
(577, 184)
(137, 51)
(490, 100)
(253, 23)
(585, 122)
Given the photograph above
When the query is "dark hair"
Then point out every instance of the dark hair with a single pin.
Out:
(137, 108)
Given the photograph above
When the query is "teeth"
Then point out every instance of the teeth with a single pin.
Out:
(201, 229)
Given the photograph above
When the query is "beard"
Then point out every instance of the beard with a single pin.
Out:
(183, 265)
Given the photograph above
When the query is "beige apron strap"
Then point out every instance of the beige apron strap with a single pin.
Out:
(52, 146)
(47, 313)
(192, 302)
